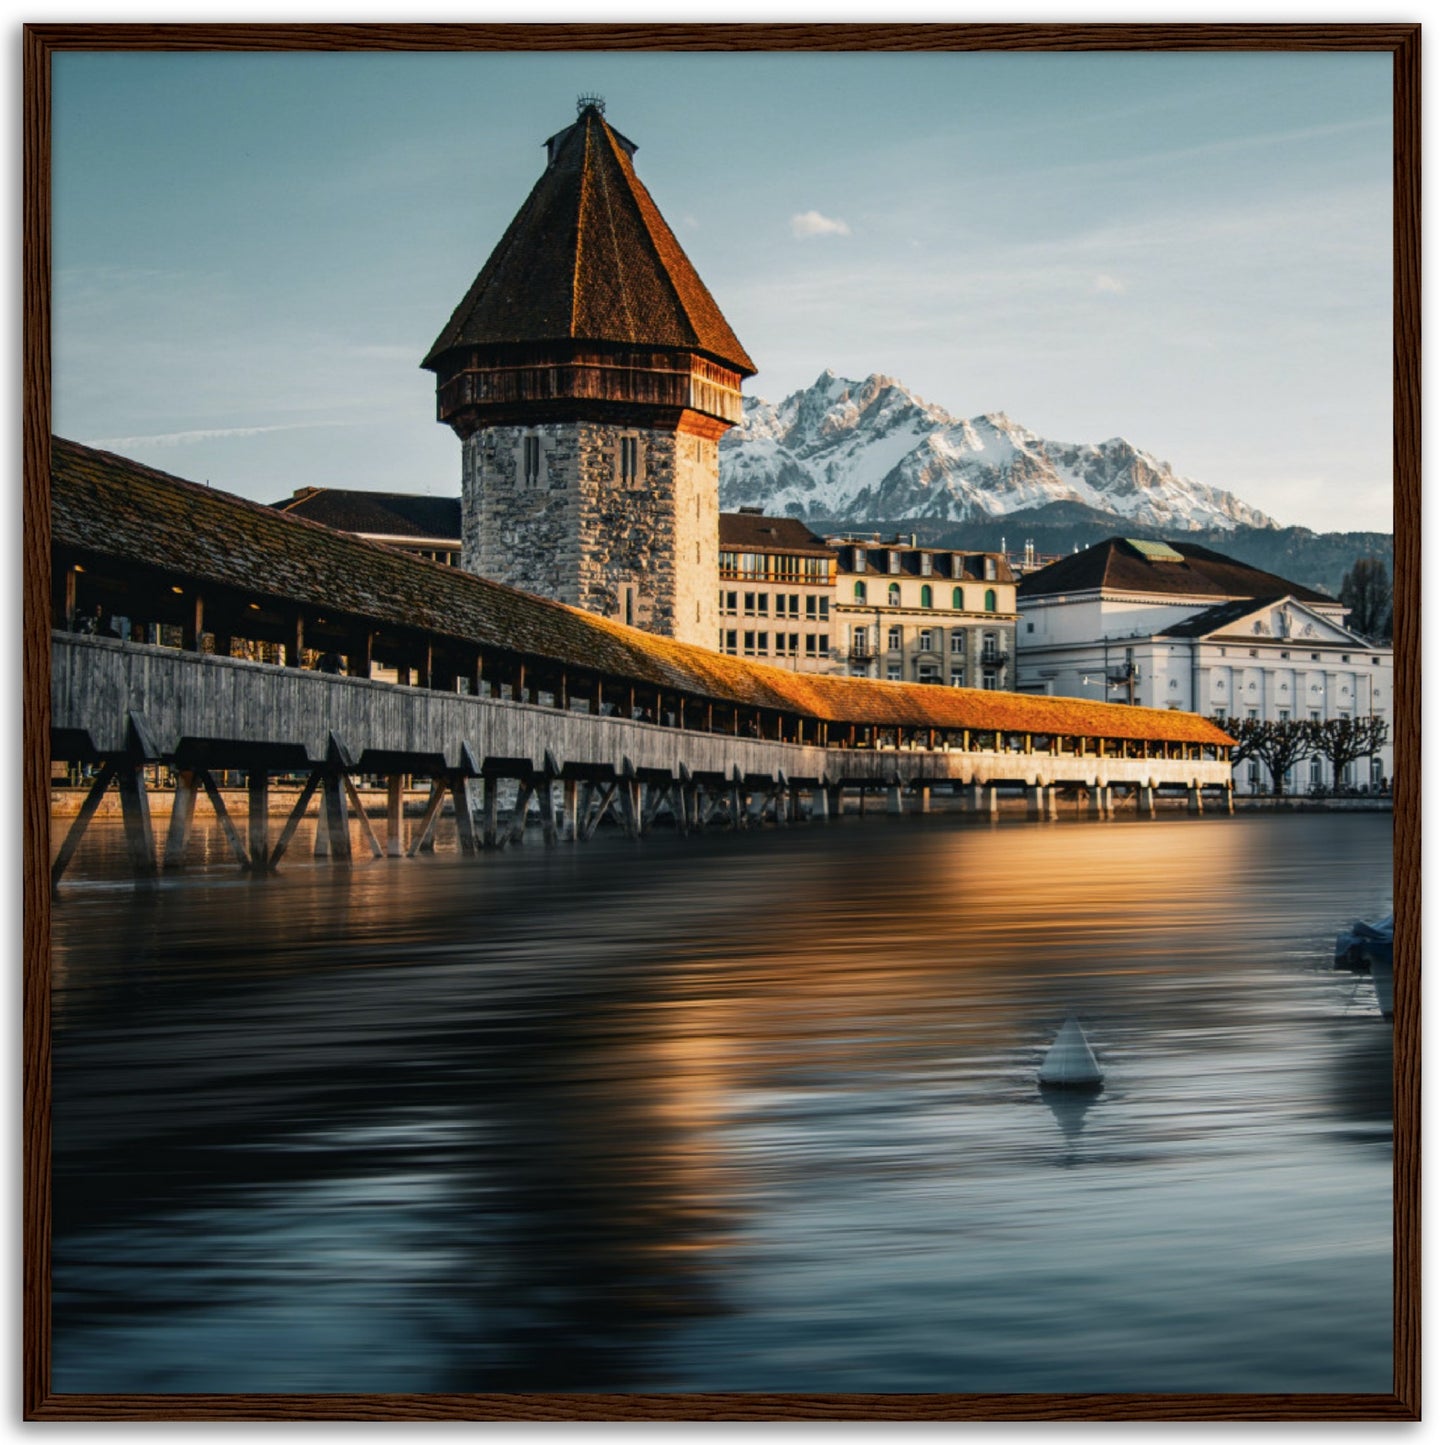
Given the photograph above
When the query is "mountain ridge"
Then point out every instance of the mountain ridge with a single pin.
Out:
(846, 450)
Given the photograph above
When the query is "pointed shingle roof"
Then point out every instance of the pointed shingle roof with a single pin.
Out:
(589, 258)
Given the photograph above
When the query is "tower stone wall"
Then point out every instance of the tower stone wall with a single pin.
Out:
(568, 510)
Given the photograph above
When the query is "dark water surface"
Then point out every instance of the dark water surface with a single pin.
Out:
(731, 1113)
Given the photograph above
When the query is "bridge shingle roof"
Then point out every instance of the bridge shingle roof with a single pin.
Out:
(111, 507)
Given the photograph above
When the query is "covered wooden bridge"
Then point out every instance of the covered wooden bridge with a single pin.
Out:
(207, 632)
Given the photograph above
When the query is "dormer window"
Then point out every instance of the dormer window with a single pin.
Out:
(925, 564)
(895, 561)
(860, 560)
(990, 569)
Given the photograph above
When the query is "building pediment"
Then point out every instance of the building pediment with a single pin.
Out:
(1285, 620)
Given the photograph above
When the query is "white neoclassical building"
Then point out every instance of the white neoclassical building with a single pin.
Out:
(1179, 626)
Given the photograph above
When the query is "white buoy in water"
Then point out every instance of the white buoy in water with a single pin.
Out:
(1070, 1062)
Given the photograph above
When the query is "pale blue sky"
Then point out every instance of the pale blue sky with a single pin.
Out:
(253, 253)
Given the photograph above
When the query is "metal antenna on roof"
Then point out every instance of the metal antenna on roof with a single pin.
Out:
(591, 102)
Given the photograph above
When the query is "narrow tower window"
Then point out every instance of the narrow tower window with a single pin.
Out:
(531, 460)
(627, 459)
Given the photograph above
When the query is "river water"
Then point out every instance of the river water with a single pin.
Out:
(748, 1112)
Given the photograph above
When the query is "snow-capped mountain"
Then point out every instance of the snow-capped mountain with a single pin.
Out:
(869, 450)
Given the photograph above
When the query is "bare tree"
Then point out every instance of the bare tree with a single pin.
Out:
(1285, 743)
(1369, 592)
(1249, 737)
(1343, 739)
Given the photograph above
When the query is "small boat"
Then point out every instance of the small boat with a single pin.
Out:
(1362, 943)
(1070, 1062)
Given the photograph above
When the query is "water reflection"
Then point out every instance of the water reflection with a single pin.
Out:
(751, 1114)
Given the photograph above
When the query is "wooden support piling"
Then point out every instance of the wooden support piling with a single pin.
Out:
(423, 840)
(372, 841)
(395, 827)
(183, 811)
(82, 822)
(258, 818)
(298, 812)
(223, 816)
(135, 808)
(338, 831)
(456, 783)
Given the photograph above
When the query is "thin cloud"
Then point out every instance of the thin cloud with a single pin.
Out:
(211, 434)
(1109, 285)
(815, 223)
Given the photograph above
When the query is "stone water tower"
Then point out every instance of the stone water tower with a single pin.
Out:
(589, 375)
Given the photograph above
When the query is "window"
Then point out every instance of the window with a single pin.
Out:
(925, 564)
(860, 593)
(955, 678)
(810, 608)
(990, 681)
(531, 460)
(990, 570)
(895, 638)
(895, 595)
(792, 605)
(822, 609)
(957, 640)
(1374, 661)
(730, 643)
(1284, 655)
(925, 640)
(629, 604)
(751, 645)
(1314, 657)
(860, 561)
(895, 561)
(958, 599)
(956, 569)
(627, 460)
(860, 640)
(990, 601)
(895, 672)
(730, 602)
(1284, 714)
(990, 647)
(925, 597)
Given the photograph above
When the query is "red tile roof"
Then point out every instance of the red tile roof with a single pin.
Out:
(589, 258)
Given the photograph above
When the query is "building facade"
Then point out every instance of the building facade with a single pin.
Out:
(775, 591)
(924, 614)
(589, 374)
(1180, 627)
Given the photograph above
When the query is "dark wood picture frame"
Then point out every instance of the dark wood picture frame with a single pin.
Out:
(41, 42)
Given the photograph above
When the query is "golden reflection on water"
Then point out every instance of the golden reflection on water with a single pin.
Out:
(730, 1113)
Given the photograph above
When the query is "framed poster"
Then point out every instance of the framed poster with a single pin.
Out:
(990, 751)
